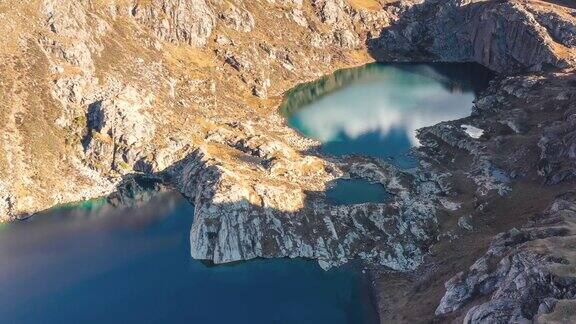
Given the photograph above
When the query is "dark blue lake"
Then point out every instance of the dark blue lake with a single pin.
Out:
(99, 264)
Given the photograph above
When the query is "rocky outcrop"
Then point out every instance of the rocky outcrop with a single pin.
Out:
(186, 91)
(506, 36)
(66, 22)
(238, 217)
(525, 273)
(93, 51)
(558, 147)
(238, 19)
(483, 171)
(536, 139)
(559, 25)
(346, 39)
(181, 21)
(119, 128)
(330, 11)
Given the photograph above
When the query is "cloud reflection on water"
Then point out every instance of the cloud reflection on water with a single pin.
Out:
(376, 109)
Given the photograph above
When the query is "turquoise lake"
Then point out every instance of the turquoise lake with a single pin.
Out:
(97, 263)
(376, 109)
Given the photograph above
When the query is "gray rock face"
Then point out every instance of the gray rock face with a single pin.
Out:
(483, 171)
(68, 21)
(182, 21)
(347, 39)
(558, 146)
(329, 11)
(118, 129)
(560, 27)
(238, 19)
(523, 273)
(235, 221)
(503, 35)
(546, 103)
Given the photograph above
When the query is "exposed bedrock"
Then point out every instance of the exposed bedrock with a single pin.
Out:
(237, 218)
(527, 130)
(526, 136)
(526, 274)
(93, 92)
(181, 21)
(506, 36)
(118, 128)
(136, 85)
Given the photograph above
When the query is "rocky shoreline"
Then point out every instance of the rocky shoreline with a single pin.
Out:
(504, 180)
(187, 92)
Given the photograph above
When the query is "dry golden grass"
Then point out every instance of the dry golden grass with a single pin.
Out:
(188, 57)
(365, 4)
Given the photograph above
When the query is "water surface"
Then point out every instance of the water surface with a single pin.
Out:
(376, 109)
(95, 263)
(354, 191)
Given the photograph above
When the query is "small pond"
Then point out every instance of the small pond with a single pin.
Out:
(354, 191)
